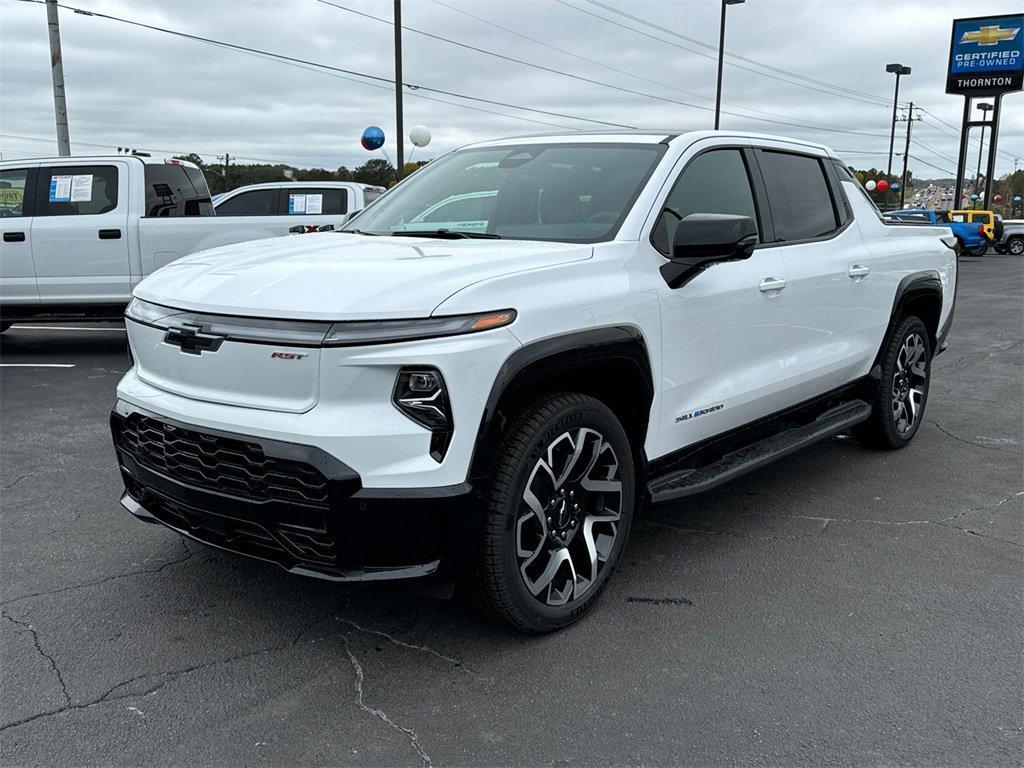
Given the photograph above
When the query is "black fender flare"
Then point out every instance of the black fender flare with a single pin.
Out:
(551, 357)
(914, 286)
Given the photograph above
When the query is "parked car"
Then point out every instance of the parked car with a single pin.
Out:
(1011, 238)
(969, 232)
(642, 318)
(303, 206)
(80, 232)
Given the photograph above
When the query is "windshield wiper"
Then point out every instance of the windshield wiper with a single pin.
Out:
(356, 232)
(446, 234)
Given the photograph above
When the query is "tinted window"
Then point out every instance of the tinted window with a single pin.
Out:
(714, 182)
(845, 174)
(311, 202)
(259, 202)
(176, 190)
(371, 193)
(557, 192)
(77, 190)
(12, 192)
(799, 196)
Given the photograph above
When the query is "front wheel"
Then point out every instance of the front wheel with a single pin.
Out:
(560, 509)
(903, 393)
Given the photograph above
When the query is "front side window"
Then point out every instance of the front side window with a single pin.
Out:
(959, 218)
(12, 192)
(77, 190)
(313, 202)
(258, 202)
(799, 195)
(176, 190)
(714, 182)
(558, 192)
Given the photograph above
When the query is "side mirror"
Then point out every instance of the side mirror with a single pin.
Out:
(703, 239)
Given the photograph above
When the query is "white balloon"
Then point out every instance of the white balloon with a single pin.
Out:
(419, 136)
(870, 186)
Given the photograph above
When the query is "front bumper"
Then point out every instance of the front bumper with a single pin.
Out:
(287, 503)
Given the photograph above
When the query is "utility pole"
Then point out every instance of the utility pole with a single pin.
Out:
(60, 107)
(400, 130)
(225, 158)
(906, 153)
(721, 59)
(985, 109)
(899, 70)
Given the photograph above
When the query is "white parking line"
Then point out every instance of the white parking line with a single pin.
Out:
(64, 328)
(37, 365)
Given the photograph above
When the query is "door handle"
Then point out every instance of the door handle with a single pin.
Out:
(110, 234)
(14, 237)
(771, 285)
(857, 272)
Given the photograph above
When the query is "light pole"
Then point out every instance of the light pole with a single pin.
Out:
(985, 109)
(399, 128)
(899, 70)
(721, 59)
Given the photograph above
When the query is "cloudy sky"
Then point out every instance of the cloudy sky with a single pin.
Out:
(813, 70)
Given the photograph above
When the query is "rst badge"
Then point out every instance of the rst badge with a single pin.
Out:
(287, 355)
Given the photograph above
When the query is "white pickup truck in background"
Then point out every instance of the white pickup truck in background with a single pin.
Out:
(80, 232)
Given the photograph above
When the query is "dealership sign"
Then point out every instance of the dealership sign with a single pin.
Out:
(985, 56)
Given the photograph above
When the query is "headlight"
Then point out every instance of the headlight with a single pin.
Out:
(358, 332)
(421, 395)
(144, 312)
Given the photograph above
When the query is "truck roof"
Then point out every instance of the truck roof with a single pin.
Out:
(647, 136)
(86, 159)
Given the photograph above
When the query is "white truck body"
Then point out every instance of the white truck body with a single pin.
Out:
(79, 233)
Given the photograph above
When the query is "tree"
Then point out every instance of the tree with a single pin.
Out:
(376, 171)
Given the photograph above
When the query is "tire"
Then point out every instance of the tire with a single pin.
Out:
(1015, 246)
(559, 512)
(903, 393)
(978, 250)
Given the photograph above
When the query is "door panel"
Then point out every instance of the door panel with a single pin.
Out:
(17, 270)
(80, 241)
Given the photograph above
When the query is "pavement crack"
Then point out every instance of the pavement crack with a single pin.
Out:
(14, 482)
(39, 648)
(965, 441)
(84, 585)
(401, 643)
(379, 713)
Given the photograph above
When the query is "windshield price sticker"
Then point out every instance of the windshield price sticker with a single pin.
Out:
(314, 204)
(305, 204)
(81, 188)
(296, 204)
(60, 189)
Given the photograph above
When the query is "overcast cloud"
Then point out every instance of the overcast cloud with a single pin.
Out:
(128, 86)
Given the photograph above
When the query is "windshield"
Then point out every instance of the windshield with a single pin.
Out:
(563, 192)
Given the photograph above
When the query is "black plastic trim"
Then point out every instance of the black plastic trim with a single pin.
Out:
(555, 355)
(924, 283)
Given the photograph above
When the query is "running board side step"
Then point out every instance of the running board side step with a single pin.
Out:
(687, 482)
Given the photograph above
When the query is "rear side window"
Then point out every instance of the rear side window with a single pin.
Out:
(258, 202)
(313, 202)
(176, 190)
(12, 192)
(799, 195)
(371, 193)
(714, 182)
(76, 190)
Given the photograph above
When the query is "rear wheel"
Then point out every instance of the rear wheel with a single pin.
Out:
(978, 250)
(903, 393)
(1015, 246)
(559, 513)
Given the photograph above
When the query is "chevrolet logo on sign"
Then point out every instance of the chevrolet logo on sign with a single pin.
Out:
(990, 35)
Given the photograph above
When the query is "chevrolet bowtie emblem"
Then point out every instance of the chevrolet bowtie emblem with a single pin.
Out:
(192, 339)
(989, 35)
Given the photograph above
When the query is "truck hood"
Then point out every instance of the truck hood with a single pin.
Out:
(337, 276)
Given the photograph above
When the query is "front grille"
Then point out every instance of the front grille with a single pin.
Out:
(219, 463)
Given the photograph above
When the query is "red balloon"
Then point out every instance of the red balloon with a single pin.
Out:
(882, 185)
(997, 199)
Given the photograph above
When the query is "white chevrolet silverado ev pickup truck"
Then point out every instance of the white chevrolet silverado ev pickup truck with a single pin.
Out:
(79, 233)
(610, 320)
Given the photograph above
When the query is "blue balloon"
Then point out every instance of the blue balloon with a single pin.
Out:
(975, 197)
(1016, 198)
(895, 186)
(373, 138)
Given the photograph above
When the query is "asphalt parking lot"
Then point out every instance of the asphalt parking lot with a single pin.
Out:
(840, 607)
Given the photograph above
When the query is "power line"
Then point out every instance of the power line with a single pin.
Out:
(293, 59)
(591, 81)
(609, 67)
(711, 47)
(925, 162)
(708, 56)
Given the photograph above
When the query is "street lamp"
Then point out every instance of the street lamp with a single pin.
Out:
(721, 59)
(899, 70)
(985, 109)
